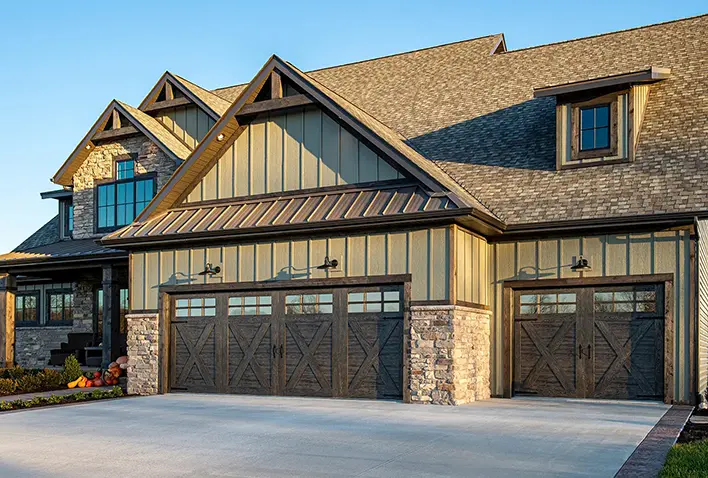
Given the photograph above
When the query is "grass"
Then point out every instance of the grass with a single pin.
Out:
(687, 460)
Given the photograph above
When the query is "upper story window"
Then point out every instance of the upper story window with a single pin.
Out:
(125, 169)
(119, 202)
(66, 211)
(595, 127)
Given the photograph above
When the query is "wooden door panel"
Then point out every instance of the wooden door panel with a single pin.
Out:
(251, 355)
(308, 356)
(194, 355)
(375, 356)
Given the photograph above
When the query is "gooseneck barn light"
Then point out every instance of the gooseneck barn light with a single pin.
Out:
(328, 264)
(210, 270)
(581, 266)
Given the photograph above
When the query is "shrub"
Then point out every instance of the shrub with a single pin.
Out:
(53, 379)
(30, 383)
(72, 369)
(7, 386)
(15, 373)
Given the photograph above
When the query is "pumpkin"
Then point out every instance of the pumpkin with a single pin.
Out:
(112, 365)
(89, 384)
(74, 383)
(97, 382)
(122, 360)
(96, 375)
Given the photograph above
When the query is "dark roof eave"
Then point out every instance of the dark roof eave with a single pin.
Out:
(40, 261)
(57, 194)
(649, 75)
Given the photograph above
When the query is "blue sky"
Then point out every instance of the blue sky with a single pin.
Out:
(62, 62)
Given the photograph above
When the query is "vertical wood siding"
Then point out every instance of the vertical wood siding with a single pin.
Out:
(43, 289)
(703, 306)
(423, 253)
(286, 152)
(189, 123)
(623, 254)
(473, 268)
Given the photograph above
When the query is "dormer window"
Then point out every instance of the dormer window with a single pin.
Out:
(125, 169)
(594, 127)
(119, 202)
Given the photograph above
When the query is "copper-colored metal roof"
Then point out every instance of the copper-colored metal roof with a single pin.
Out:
(387, 201)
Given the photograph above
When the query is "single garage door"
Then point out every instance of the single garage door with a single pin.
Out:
(341, 342)
(599, 342)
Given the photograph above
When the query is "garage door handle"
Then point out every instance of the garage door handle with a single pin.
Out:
(580, 351)
(275, 350)
(281, 350)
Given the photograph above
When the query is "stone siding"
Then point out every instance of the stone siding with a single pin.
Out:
(449, 355)
(84, 306)
(143, 359)
(100, 164)
(32, 344)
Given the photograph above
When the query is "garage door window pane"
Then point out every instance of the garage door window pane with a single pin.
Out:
(529, 299)
(375, 301)
(250, 305)
(309, 304)
(196, 307)
(626, 301)
(534, 304)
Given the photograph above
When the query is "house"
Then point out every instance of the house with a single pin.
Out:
(443, 225)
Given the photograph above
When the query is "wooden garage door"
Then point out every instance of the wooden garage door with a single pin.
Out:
(599, 342)
(340, 342)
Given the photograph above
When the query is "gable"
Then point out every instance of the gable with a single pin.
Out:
(188, 123)
(299, 149)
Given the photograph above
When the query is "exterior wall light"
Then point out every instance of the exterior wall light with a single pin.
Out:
(220, 137)
(88, 146)
(581, 266)
(329, 264)
(210, 270)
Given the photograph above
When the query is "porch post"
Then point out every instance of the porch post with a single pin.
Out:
(111, 315)
(8, 287)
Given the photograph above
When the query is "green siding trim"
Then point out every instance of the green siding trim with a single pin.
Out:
(609, 255)
(424, 253)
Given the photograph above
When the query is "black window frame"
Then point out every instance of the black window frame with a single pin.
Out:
(48, 307)
(134, 180)
(594, 128)
(118, 169)
(29, 323)
(67, 211)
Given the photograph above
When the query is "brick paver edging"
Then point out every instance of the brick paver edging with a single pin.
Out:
(649, 457)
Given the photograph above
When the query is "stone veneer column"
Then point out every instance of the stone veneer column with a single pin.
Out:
(84, 306)
(449, 354)
(143, 353)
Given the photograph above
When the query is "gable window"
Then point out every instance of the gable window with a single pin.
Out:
(26, 306)
(61, 307)
(595, 127)
(121, 201)
(68, 219)
(125, 169)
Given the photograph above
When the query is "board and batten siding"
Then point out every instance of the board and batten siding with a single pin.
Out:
(473, 268)
(609, 255)
(286, 152)
(703, 307)
(188, 123)
(423, 253)
(43, 289)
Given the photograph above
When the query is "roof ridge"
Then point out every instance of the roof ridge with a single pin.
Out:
(190, 84)
(615, 32)
(378, 58)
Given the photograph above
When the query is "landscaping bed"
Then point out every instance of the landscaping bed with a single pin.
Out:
(115, 392)
(689, 457)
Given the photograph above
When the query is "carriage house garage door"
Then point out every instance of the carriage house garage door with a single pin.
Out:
(339, 342)
(590, 342)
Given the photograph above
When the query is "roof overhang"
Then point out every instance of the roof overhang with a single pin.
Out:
(210, 103)
(57, 194)
(650, 75)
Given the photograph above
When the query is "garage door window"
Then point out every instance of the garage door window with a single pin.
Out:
(309, 304)
(387, 301)
(534, 304)
(626, 301)
(196, 307)
(251, 305)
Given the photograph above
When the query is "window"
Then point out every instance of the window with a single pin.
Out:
(595, 127)
(252, 305)
(309, 304)
(125, 169)
(626, 301)
(26, 306)
(534, 304)
(121, 201)
(124, 308)
(387, 301)
(196, 307)
(68, 218)
(61, 307)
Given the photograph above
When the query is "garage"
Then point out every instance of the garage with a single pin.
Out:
(605, 341)
(329, 342)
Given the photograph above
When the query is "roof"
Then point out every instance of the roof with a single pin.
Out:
(61, 250)
(146, 124)
(474, 114)
(323, 208)
(214, 102)
(47, 234)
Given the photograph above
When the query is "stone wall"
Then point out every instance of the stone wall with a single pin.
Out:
(100, 164)
(32, 344)
(84, 306)
(449, 355)
(143, 347)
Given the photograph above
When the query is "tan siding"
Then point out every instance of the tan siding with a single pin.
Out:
(137, 282)
(286, 152)
(189, 123)
(702, 339)
(472, 271)
(152, 276)
(642, 253)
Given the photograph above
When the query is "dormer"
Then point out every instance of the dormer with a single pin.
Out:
(598, 121)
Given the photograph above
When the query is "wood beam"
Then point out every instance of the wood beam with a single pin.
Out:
(115, 133)
(169, 92)
(276, 85)
(8, 288)
(161, 105)
(116, 120)
(274, 105)
(111, 315)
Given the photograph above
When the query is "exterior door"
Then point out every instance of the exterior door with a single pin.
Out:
(590, 342)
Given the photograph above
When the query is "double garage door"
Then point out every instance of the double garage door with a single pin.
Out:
(590, 342)
(342, 342)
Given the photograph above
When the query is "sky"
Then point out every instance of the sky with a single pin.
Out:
(61, 63)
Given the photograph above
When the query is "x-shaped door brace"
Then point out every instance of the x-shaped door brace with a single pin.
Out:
(194, 350)
(623, 352)
(372, 352)
(546, 352)
(308, 352)
(249, 351)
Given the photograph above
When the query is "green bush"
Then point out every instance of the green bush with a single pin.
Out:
(7, 386)
(30, 383)
(115, 392)
(72, 369)
(53, 379)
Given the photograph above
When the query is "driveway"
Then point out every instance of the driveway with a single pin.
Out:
(212, 435)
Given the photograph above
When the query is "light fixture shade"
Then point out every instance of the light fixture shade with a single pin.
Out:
(581, 266)
(210, 270)
(328, 264)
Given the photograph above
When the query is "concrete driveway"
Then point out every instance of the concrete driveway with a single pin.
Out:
(210, 435)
